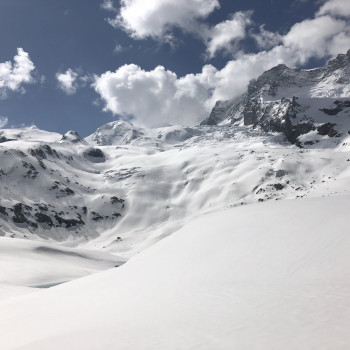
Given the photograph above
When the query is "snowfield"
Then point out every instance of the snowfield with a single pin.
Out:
(27, 265)
(264, 276)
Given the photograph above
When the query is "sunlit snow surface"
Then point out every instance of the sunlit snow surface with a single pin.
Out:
(265, 276)
(248, 262)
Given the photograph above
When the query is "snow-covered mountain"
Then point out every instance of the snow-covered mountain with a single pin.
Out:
(308, 106)
(124, 187)
(249, 260)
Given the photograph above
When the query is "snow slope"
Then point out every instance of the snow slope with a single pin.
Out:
(266, 276)
(138, 191)
(27, 265)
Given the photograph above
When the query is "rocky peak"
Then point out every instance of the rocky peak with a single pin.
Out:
(73, 137)
(292, 100)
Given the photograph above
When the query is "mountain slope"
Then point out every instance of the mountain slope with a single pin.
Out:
(266, 276)
(308, 106)
(124, 197)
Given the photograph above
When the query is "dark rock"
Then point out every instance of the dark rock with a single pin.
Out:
(327, 129)
(333, 111)
(115, 200)
(38, 153)
(95, 155)
(3, 210)
(5, 139)
(278, 186)
(68, 222)
(72, 136)
(43, 218)
(69, 191)
(281, 173)
(19, 217)
(96, 216)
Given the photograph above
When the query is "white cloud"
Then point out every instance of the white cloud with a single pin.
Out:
(3, 122)
(68, 81)
(313, 38)
(71, 80)
(154, 97)
(108, 5)
(335, 7)
(225, 35)
(159, 96)
(155, 18)
(266, 39)
(14, 75)
(340, 43)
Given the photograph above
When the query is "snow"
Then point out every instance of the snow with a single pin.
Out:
(27, 265)
(264, 276)
(212, 237)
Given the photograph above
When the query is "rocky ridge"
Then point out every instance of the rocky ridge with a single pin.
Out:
(295, 102)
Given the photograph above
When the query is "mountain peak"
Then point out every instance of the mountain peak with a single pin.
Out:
(294, 101)
(115, 133)
(72, 136)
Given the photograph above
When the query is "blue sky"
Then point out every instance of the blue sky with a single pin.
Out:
(83, 63)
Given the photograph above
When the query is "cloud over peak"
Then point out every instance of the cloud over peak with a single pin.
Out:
(159, 96)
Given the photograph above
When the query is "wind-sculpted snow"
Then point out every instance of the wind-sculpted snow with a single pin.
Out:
(268, 276)
(27, 265)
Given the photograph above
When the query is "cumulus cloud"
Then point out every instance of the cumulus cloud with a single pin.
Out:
(3, 122)
(154, 97)
(225, 35)
(314, 37)
(155, 18)
(14, 75)
(159, 96)
(336, 8)
(71, 80)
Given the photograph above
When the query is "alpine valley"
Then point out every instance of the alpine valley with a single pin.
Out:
(210, 236)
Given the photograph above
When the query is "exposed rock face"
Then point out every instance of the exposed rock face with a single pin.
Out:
(95, 155)
(292, 101)
(73, 137)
